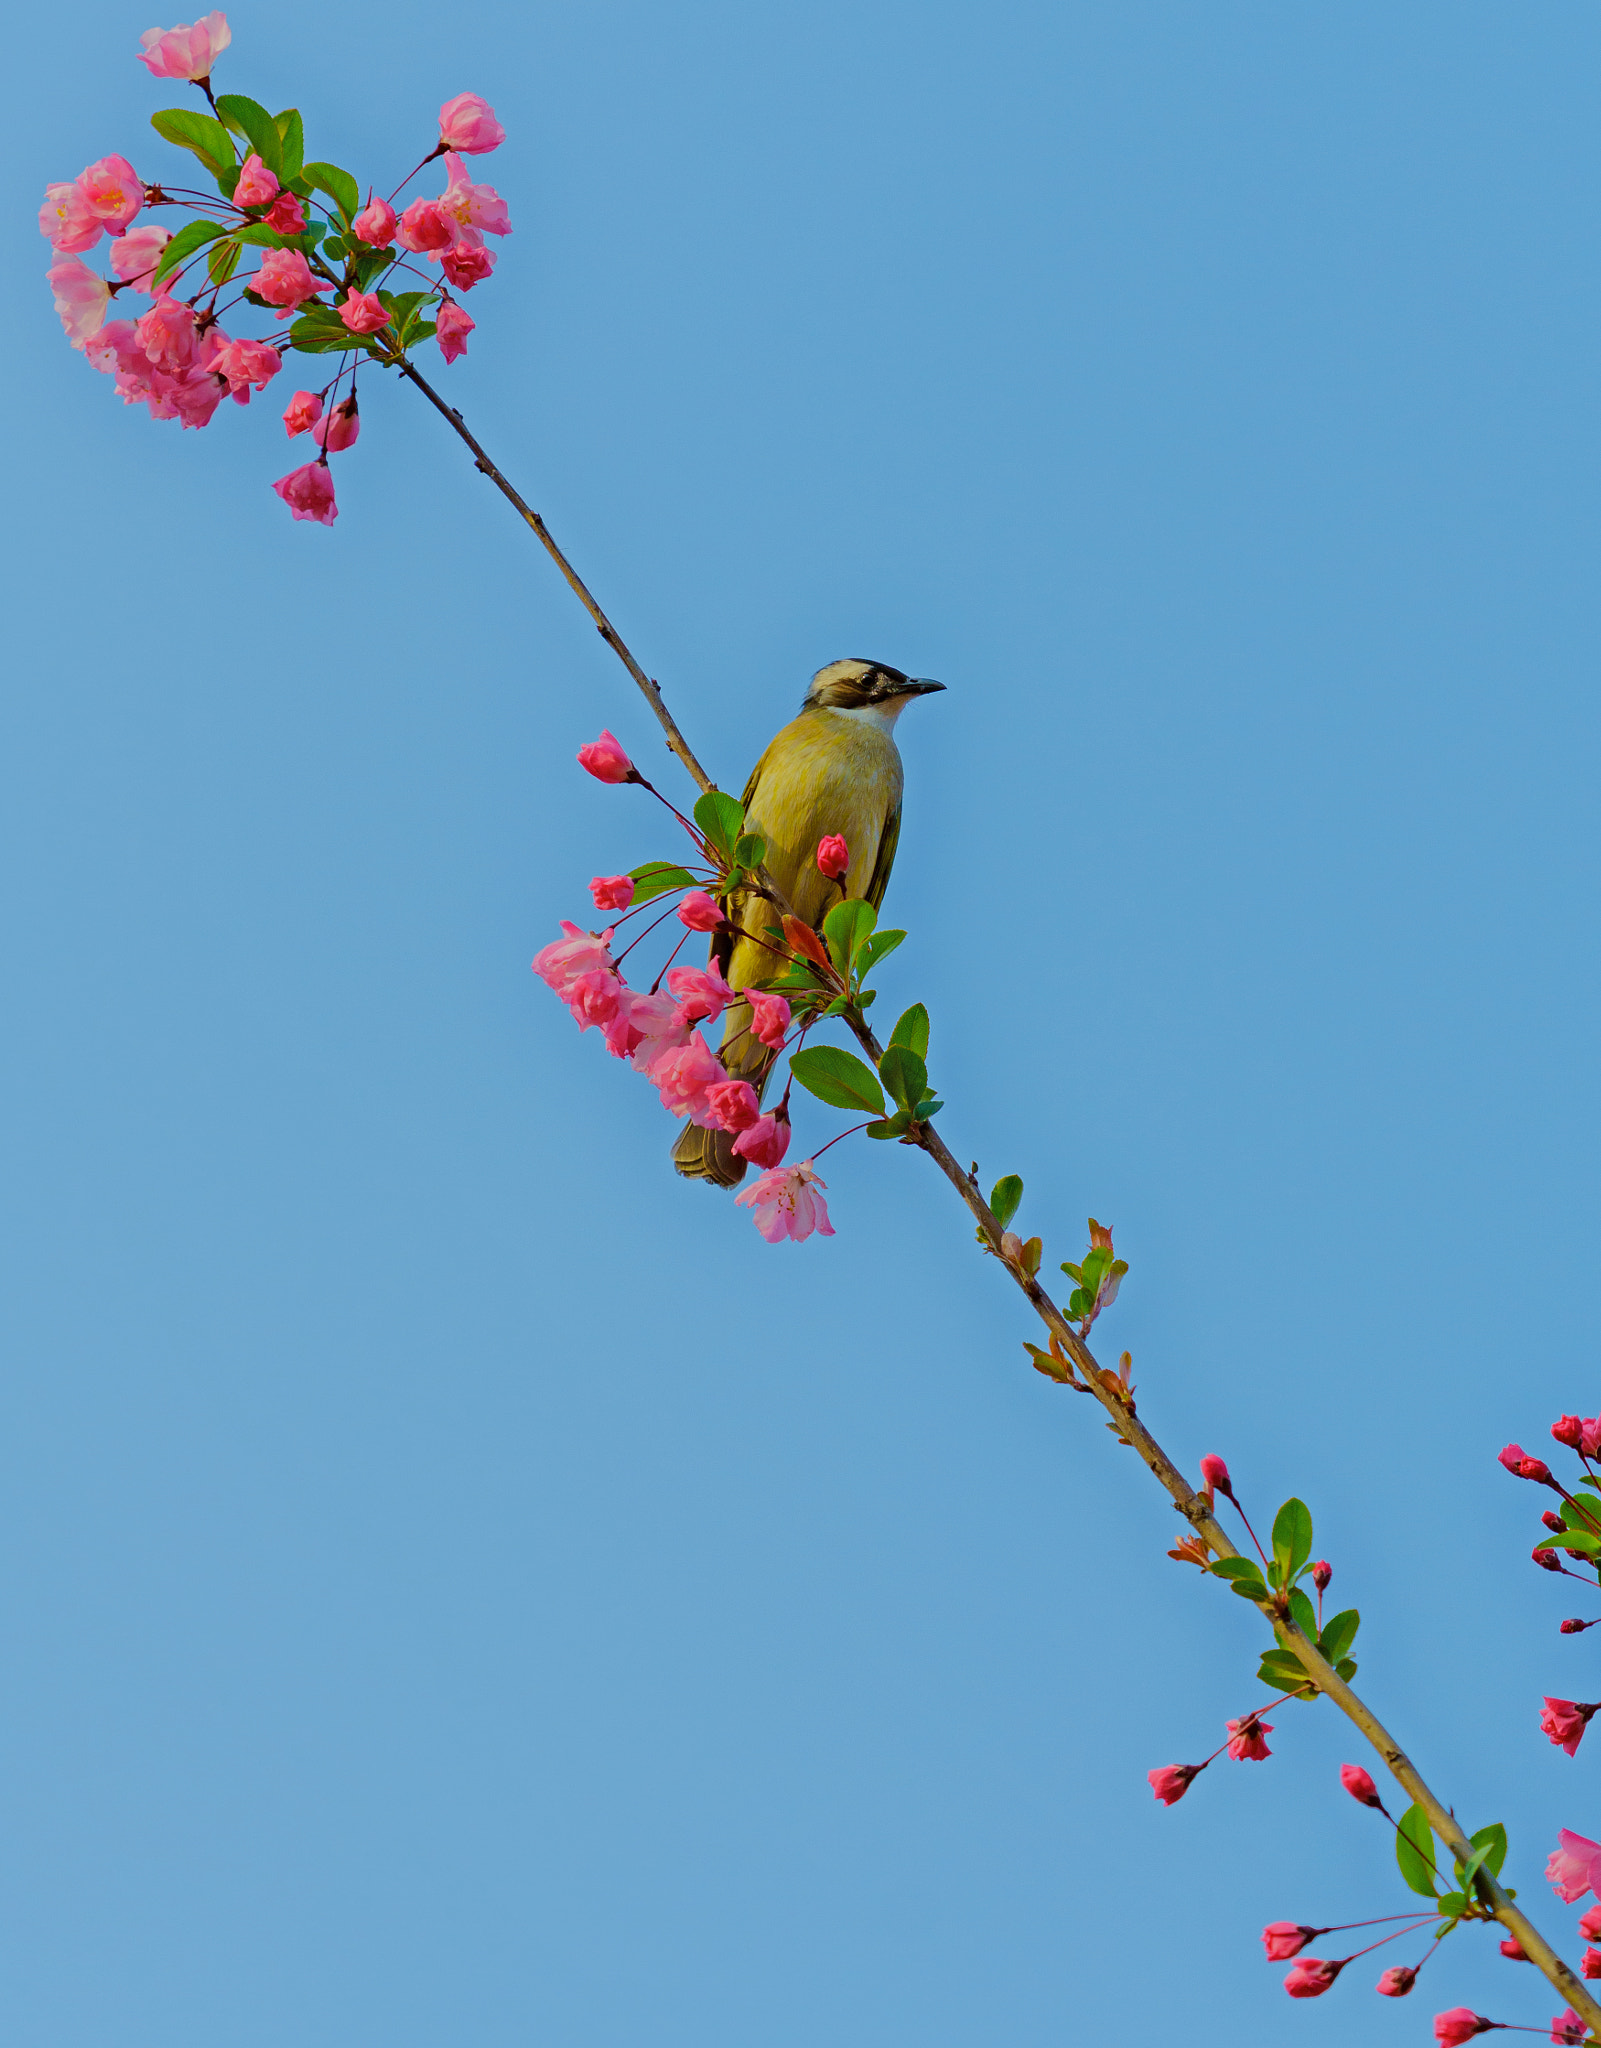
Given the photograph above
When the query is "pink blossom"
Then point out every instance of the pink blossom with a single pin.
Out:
(700, 912)
(81, 297)
(340, 429)
(375, 223)
(769, 1017)
(1360, 1785)
(167, 334)
(701, 991)
(1172, 1781)
(106, 349)
(302, 412)
(766, 1142)
(682, 1076)
(1460, 2024)
(833, 856)
(468, 123)
(425, 228)
(1215, 1474)
(594, 998)
(247, 364)
(612, 892)
(363, 312)
(1547, 1560)
(476, 210)
(1285, 1938)
(657, 1028)
(1245, 1739)
(68, 219)
(1396, 1982)
(576, 952)
(1569, 1430)
(309, 493)
(622, 1038)
(1518, 1462)
(1568, 2027)
(734, 1106)
(1574, 1866)
(186, 52)
(1565, 1721)
(466, 265)
(1312, 1976)
(605, 760)
(113, 191)
(785, 1203)
(284, 278)
(1322, 1572)
(286, 214)
(1590, 1437)
(134, 256)
(1512, 1949)
(1590, 1966)
(1590, 1924)
(453, 324)
(257, 185)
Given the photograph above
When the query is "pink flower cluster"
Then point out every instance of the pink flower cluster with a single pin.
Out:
(101, 200)
(448, 230)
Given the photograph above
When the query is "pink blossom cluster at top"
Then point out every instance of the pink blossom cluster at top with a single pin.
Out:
(187, 53)
(448, 230)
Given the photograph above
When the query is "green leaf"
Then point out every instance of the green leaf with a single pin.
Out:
(656, 877)
(185, 243)
(722, 818)
(1453, 1905)
(251, 120)
(291, 142)
(838, 1077)
(340, 186)
(847, 928)
(1292, 1539)
(1242, 1576)
(875, 949)
(903, 1074)
(1492, 1841)
(1346, 1668)
(931, 1105)
(750, 850)
(258, 235)
(223, 261)
(316, 338)
(208, 139)
(1282, 1670)
(1339, 1634)
(1005, 1196)
(1573, 1539)
(895, 1126)
(1414, 1851)
(912, 1030)
(1301, 1611)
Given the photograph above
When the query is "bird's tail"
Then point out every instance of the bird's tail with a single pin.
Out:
(710, 1155)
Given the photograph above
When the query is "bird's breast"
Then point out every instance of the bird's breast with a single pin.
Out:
(826, 772)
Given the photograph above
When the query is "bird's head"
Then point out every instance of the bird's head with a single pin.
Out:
(864, 686)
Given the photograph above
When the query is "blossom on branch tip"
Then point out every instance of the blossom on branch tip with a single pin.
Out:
(476, 210)
(257, 185)
(1215, 1474)
(113, 191)
(309, 493)
(605, 760)
(576, 952)
(68, 219)
(468, 123)
(284, 279)
(302, 412)
(765, 1142)
(1574, 1866)
(286, 214)
(1396, 1982)
(833, 856)
(1312, 1976)
(1512, 1949)
(1172, 1781)
(1245, 1743)
(1590, 1924)
(134, 256)
(612, 892)
(341, 429)
(769, 1017)
(452, 326)
(1568, 2027)
(1564, 1721)
(1569, 1430)
(1360, 1785)
(363, 312)
(786, 1202)
(1322, 1572)
(1552, 1522)
(734, 1106)
(1589, 1967)
(375, 224)
(246, 364)
(186, 52)
(1518, 1462)
(1285, 1938)
(425, 228)
(81, 298)
(465, 265)
(1460, 2024)
(702, 913)
(1546, 1559)
(1590, 1437)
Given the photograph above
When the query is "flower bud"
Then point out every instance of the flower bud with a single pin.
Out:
(1460, 2024)
(1172, 1781)
(1590, 1925)
(1547, 1560)
(1513, 1951)
(606, 761)
(1552, 1522)
(1285, 1938)
(1245, 1743)
(257, 185)
(1590, 1437)
(1589, 1967)
(1216, 1475)
(1575, 1627)
(1322, 1572)
(1396, 1981)
(1517, 1461)
(375, 224)
(1569, 1430)
(833, 856)
(1360, 1785)
(700, 912)
(1312, 1976)
(612, 892)
(1565, 1721)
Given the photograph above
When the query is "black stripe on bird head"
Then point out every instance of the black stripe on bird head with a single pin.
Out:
(853, 684)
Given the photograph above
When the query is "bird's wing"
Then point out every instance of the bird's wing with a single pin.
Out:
(887, 841)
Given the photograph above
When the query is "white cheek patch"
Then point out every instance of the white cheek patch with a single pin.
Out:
(881, 715)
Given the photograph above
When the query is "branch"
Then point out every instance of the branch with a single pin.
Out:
(1194, 1506)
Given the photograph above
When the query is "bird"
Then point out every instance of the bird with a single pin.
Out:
(833, 769)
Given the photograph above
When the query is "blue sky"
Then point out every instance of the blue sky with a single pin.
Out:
(460, 1584)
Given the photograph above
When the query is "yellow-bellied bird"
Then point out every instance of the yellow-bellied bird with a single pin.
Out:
(836, 768)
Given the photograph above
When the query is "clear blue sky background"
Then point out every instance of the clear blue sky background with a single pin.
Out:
(459, 1584)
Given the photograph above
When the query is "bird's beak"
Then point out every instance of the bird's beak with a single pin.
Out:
(919, 686)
